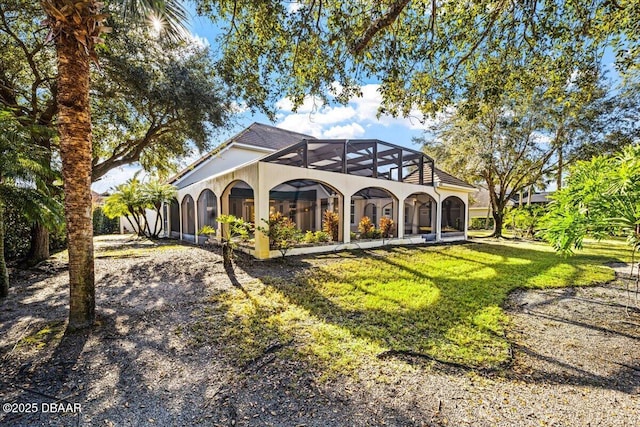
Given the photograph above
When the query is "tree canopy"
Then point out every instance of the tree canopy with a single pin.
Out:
(425, 54)
(154, 99)
(501, 147)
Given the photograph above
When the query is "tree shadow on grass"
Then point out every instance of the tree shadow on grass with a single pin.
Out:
(335, 295)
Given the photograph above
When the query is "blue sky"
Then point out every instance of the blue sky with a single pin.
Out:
(354, 120)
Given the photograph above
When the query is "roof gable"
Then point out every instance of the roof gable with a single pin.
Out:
(256, 135)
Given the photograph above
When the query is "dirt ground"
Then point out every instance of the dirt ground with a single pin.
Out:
(575, 357)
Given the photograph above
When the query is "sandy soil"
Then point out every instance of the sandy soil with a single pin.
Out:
(576, 358)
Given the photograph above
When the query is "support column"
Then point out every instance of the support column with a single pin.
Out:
(195, 222)
(439, 219)
(317, 212)
(261, 204)
(466, 217)
(181, 213)
(345, 214)
(400, 224)
(218, 213)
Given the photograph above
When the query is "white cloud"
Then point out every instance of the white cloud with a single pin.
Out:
(349, 131)
(294, 6)
(115, 177)
(318, 120)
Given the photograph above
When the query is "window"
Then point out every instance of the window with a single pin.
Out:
(353, 212)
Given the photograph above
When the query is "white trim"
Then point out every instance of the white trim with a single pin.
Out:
(218, 153)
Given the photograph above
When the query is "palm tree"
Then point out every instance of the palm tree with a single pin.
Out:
(76, 26)
(127, 200)
(23, 166)
(156, 193)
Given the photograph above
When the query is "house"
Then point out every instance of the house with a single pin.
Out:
(539, 199)
(265, 169)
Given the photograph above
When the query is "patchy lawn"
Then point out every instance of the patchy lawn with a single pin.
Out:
(443, 303)
(480, 334)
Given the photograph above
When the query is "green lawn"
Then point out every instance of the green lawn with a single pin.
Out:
(441, 301)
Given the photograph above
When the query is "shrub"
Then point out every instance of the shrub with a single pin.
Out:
(481, 224)
(282, 232)
(310, 237)
(524, 221)
(231, 228)
(103, 224)
(331, 224)
(386, 227)
(366, 228)
(317, 237)
(353, 235)
(323, 236)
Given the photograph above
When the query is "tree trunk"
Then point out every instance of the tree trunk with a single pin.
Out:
(74, 124)
(498, 219)
(4, 274)
(227, 254)
(156, 230)
(39, 249)
(560, 168)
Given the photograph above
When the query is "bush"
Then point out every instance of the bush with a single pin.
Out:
(481, 224)
(323, 237)
(317, 237)
(282, 232)
(17, 237)
(386, 227)
(331, 224)
(524, 221)
(104, 225)
(366, 228)
(310, 237)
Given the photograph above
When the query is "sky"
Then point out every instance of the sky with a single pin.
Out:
(357, 119)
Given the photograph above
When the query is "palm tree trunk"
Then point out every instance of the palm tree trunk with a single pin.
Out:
(4, 274)
(74, 123)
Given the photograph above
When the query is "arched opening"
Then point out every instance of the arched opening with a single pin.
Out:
(378, 206)
(188, 218)
(420, 216)
(207, 209)
(240, 201)
(207, 212)
(453, 216)
(371, 211)
(174, 219)
(305, 202)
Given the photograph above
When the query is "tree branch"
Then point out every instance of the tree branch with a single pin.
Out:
(378, 25)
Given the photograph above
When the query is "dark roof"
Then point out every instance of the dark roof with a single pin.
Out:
(444, 178)
(536, 198)
(440, 177)
(256, 135)
(270, 137)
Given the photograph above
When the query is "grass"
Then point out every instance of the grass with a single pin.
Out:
(43, 336)
(445, 302)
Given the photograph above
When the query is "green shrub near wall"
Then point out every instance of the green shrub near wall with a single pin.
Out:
(481, 224)
(104, 225)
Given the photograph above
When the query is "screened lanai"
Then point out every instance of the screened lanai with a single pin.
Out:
(370, 158)
(361, 187)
